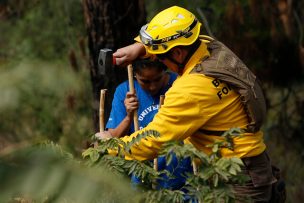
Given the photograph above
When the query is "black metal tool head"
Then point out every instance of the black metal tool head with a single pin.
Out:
(105, 60)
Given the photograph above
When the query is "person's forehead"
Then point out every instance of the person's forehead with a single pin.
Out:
(150, 72)
(150, 77)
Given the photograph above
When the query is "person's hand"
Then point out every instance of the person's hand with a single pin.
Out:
(131, 103)
(103, 135)
(126, 55)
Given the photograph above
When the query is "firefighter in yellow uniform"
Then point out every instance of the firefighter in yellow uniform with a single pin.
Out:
(197, 108)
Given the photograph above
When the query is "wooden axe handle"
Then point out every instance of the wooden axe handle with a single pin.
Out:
(161, 102)
(132, 90)
(155, 162)
(101, 110)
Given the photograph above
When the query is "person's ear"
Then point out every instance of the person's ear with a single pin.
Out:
(177, 54)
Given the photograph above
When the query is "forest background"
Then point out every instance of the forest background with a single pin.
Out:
(48, 91)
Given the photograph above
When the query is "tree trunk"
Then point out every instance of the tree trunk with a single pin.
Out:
(110, 24)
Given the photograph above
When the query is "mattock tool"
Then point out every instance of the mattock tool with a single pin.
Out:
(105, 61)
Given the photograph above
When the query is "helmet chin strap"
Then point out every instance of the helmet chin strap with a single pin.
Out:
(191, 51)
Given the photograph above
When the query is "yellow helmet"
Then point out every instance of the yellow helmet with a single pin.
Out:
(171, 27)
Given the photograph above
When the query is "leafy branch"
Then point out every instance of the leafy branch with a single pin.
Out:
(212, 183)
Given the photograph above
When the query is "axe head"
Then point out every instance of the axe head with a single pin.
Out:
(105, 60)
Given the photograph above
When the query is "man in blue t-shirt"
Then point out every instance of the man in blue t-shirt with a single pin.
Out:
(151, 82)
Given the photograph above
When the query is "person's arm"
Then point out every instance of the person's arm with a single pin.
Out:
(131, 104)
(122, 128)
(126, 55)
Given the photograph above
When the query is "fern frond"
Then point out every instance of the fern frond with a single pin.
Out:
(114, 163)
(140, 136)
(92, 153)
(164, 195)
(102, 149)
(141, 170)
(56, 148)
(181, 150)
(112, 143)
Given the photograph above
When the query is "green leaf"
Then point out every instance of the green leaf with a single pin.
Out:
(169, 159)
(92, 153)
(237, 160)
(232, 170)
(215, 148)
(215, 180)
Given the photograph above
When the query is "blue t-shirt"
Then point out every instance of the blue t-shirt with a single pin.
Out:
(148, 107)
(148, 104)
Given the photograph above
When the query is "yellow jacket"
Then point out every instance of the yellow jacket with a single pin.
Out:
(196, 102)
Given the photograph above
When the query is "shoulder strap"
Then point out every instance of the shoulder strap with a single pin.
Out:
(224, 65)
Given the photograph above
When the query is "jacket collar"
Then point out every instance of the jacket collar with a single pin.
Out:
(195, 58)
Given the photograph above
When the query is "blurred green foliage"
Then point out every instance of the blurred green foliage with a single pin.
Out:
(46, 173)
(44, 86)
(40, 29)
(42, 100)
